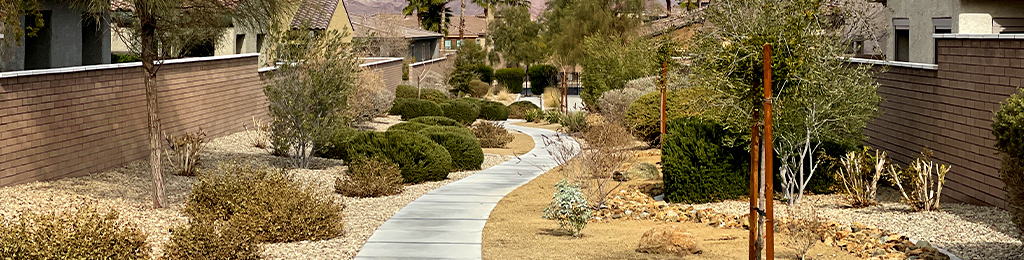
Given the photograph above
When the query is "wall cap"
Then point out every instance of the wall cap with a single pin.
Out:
(915, 65)
(1012, 36)
(429, 61)
(387, 60)
(21, 73)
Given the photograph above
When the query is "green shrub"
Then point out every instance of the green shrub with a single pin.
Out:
(644, 115)
(511, 78)
(455, 129)
(82, 234)
(419, 158)
(1008, 128)
(569, 207)
(461, 110)
(396, 108)
(370, 177)
(542, 76)
(485, 72)
(492, 135)
(210, 240)
(698, 168)
(435, 120)
(405, 91)
(534, 115)
(518, 109)
(416, 108)
(340, 134)
(264, 203)
(479, 88)
(433, 95)
(574, 122)
(494, 111)
(411, 127)
(464, 149)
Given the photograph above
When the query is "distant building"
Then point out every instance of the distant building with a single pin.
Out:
(383, 32)
(914, 22)
(68, 38)
(476, 29)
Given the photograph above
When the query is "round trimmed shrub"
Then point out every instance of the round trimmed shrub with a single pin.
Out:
(644, 114)
(414, 108)
(479, 88)
(697, 167)
(454, 129)
(485, 72)
(420, 158)
(494, 111)
(518, 109)
(396, 108)
(464, 149)
(434, 95)
(511, 78)
(461, 110)
(435, 120)
(408, 126)
(405, 91)
(542, 76)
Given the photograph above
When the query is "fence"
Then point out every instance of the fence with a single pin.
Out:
(75, 121)
(390, 70)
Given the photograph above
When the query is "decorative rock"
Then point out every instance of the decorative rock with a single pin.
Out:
(923, 243)
(668, 239)
(619, 177)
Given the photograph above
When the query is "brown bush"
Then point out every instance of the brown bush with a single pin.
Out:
(183, 151)
(492, 135)
(210, 240)
(83, 233)
(370, 99)
(264, 202)
(370, 177)
(604, 149)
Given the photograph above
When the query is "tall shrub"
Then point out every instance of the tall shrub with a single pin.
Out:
(511, 78)
(1008, 128)
(699, 167)
(542, 76)
(485, 73)
(643, 116)
(467, 63)
(419, 158)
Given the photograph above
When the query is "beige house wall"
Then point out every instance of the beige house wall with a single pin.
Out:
(968, 16)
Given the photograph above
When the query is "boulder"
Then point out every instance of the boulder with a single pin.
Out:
(668, 239)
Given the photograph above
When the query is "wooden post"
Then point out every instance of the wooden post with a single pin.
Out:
(664, 86)
(754, 155)
(769, 214)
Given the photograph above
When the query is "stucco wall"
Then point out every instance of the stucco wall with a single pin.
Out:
(63, 38)
(920, 13)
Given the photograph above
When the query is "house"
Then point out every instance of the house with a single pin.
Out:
(915, 21)
(476, 29)
(388, 35)
(68, 38)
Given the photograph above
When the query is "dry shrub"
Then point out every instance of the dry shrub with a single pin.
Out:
(211, 240)
(265, 203)
(83, 233)
(923, 178)
(259, 134)
(552, 97)
(615, 103)
(183, 151)
(859, 172)
(370, 99)
(500, 94)
(492, 135)
(604, 149)
(370, 177)
(804, 228)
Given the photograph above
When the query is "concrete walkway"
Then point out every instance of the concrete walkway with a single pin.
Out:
(448, 223)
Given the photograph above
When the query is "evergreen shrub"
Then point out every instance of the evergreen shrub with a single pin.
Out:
(435, 120)
(463, 148)
(518, 109)
(494, 111)
(698, 168)
(461, 110)
(511, 79)
(420, 158)
(414, 108)
(411, 127)
(1008, 128)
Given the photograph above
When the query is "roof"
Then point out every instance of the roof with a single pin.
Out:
(129, 5)
(475, 25)
(363, 25)
(317, 13)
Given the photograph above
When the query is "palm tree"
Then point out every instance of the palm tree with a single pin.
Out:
(432, 14)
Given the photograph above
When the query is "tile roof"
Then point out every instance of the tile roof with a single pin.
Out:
(317, 13)
(475, 25)
(364, 24)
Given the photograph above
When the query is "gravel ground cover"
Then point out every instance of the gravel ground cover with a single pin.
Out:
(968, 231)
(128, 190)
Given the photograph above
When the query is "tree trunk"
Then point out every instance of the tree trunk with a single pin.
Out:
(462, 22)
(148, 54)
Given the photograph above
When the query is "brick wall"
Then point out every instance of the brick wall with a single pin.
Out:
(390, 71)
(56, 124)
(950, 110)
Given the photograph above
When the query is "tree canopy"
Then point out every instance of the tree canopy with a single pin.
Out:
(568, 22)
(433, 15)
(517, 37)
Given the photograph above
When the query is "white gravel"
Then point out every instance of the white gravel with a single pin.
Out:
(968, 231)
(128, 190)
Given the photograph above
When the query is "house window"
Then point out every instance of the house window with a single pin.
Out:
(1007, 25)
(942, 25)
(37, 49)
(447, 44)
(902, 39)
(239, 42)
(259, 42)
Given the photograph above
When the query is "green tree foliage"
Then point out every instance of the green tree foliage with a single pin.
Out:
(817, 97)
(609, 62)
(1008, 128)
(699, 167)
(517, 37)
(542, 76)
(468, 59)
(486, 73)
(643, 116)
(511, 78)
(568, 22)
(433, 15)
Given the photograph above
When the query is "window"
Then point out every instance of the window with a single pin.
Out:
(259, 42)
(448, 44)
(942, 25)
(37, 49)
(902, 38)
(239, 42)
(1007, 25)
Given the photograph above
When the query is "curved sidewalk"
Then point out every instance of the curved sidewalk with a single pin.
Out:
(448, 223)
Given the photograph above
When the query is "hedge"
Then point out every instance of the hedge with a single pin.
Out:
(463, 148)
(435, 120)
(486, 73)
(420, 158)
(542, 76)
(413, 108)
(698, 168)
(396, 107)
(518, 109)
(461, 110)
(408, 126)
(511, 78)
(494, 111)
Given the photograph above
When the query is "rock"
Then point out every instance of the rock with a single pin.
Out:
(619, 177)
(668, 239)
(617, 216)
(672, 216)
(923, 243)
(930, 253)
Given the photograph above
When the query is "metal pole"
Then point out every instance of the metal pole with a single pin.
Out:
(754, 155)
(664, 86)
(769, 222)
